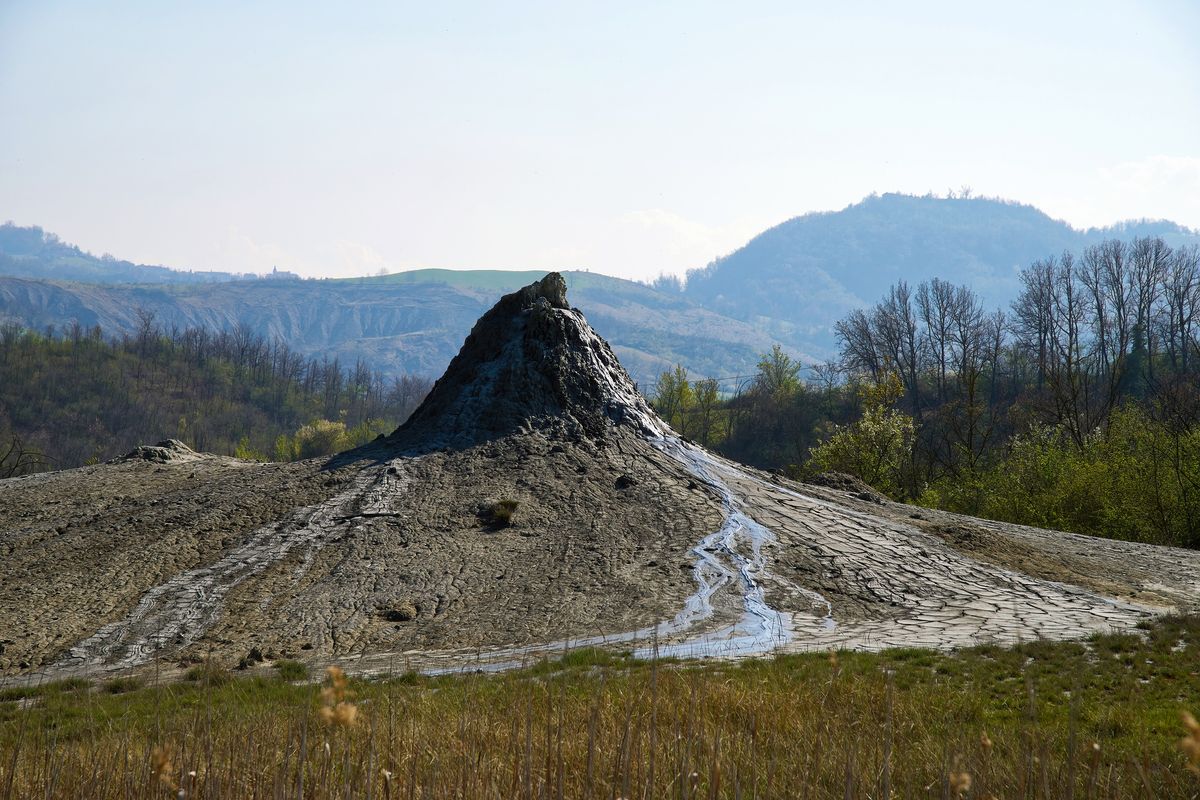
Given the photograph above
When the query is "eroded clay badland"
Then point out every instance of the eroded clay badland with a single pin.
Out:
(532, 503)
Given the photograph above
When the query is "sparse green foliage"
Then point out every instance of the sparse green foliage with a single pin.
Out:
(876, 448)
(778, 373)
(673, 398)
(121, 685)
(245, 451)
(289, 670)
(208, 673)
(74, 398)
(321, 437)
(1135, 480)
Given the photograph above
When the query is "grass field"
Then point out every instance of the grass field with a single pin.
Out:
(1102, 718)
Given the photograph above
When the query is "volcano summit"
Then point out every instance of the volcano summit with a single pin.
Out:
(532, 503)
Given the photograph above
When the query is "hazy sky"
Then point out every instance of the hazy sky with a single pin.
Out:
(627, 138)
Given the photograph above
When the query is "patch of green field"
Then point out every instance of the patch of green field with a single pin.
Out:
(1100, 718)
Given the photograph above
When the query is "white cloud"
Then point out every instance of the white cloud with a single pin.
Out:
(658, 240)
(239, 252)
(1156, 187)
(355, 258)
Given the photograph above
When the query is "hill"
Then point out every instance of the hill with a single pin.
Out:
(409, 323)
(84, 397)
(788, 285)
(30, 252)
(798, 278)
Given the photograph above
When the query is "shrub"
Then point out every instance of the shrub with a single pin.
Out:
(321, 437)
(502, 512)
(291, 670)
(208, 674)
(877, 448)
(121, 685)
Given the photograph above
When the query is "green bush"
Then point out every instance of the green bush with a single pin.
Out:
(208, 674)
(291, 670)
(877, 448)
(121, 685)
(1136, 479)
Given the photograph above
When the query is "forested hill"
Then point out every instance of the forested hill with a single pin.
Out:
(81, 395)
(412, 322)
(798, 278)
(787, 286)
(30, 252)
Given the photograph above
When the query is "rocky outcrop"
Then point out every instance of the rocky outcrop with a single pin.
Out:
(531, 363)
(161, 453)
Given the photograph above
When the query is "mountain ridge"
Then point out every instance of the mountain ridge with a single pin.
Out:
(788, 285)
(396, 327)
(799, 277)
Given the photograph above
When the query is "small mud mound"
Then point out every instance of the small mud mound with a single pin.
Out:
(165, 451)
(850, 484)
(530, 363)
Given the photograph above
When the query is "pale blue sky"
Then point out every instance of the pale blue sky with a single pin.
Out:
(627, 138)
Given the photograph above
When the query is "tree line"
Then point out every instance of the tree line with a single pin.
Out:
(1077, 407)
(73, 395)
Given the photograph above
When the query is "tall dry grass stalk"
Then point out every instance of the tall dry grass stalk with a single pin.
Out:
(336, 709)
(825, 727)
(1190, 743)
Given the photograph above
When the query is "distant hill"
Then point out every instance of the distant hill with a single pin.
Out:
(411, 322)
(788, 285)
(30, 252)
(798, 278)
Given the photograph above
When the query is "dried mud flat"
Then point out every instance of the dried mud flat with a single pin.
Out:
(393, 556)
(210, 556)
(388, 563)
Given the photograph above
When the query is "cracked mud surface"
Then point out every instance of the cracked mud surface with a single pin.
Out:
(324, 575)
(386, 560)
(79, 548)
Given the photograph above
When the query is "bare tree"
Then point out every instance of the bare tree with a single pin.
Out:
(16, 458)
(934, 301)
(898, 331)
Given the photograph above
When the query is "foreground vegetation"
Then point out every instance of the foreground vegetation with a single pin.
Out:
(1104, 718)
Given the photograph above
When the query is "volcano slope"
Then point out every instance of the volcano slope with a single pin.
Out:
(534, 502)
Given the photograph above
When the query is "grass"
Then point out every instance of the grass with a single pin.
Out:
(124, 684)
(208, 673)
(1101, 718)
(291, 670)
(67, 685)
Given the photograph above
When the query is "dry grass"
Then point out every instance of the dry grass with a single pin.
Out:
(1038, 721)
(502, 512)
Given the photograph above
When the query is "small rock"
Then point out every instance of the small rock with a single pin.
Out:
(402, 611)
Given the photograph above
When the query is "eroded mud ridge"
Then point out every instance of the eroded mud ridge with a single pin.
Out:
(532, 504)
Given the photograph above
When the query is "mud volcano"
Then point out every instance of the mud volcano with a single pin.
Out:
(533, 502)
